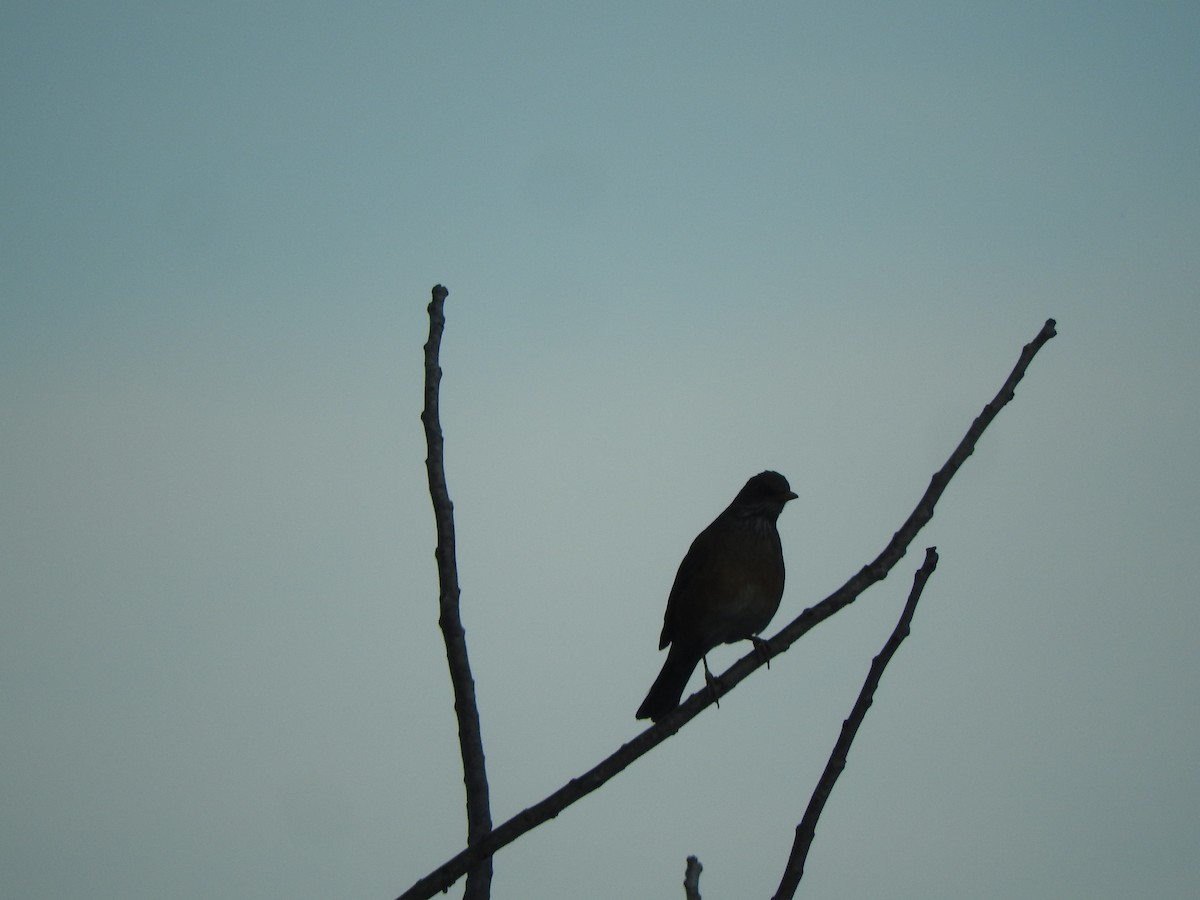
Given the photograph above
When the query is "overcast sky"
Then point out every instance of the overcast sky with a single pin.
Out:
(684, 242)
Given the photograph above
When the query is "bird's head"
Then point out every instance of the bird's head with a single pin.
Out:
(764, 495)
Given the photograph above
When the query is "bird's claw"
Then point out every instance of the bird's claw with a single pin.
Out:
(712, 683)
(762, 648)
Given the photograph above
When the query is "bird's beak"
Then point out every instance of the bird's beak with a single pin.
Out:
(790, 495)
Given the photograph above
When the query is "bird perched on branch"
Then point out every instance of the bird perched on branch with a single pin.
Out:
(727, 588)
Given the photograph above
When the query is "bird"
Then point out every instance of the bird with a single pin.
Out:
(727, 589)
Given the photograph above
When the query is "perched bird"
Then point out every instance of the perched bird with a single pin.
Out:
(727, 588)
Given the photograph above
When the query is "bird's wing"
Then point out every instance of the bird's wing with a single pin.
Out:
(694, 572)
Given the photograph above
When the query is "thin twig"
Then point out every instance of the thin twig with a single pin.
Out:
(807, 829)
(470, 740)
(691, 878)
(450, 871)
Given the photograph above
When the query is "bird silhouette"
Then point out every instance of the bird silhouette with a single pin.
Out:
(727, 589)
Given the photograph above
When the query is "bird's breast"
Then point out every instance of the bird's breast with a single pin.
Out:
(750, 609)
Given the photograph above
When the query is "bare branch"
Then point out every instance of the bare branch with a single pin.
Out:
(470, 740)
(807, 829)
(691, 879)
(445, 875)
(878, 569)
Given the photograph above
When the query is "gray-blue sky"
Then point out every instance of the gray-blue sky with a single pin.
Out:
(684, 242)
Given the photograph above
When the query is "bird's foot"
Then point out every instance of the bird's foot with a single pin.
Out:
(762, 648)
(712, 682)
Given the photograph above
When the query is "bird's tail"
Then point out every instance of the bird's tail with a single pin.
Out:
(668, 686)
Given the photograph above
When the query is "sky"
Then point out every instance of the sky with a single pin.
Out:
(684, 242)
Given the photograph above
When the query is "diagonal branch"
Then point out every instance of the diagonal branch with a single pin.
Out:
(441, 878)
(878, 569)
(470, 740)
(807, 829)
